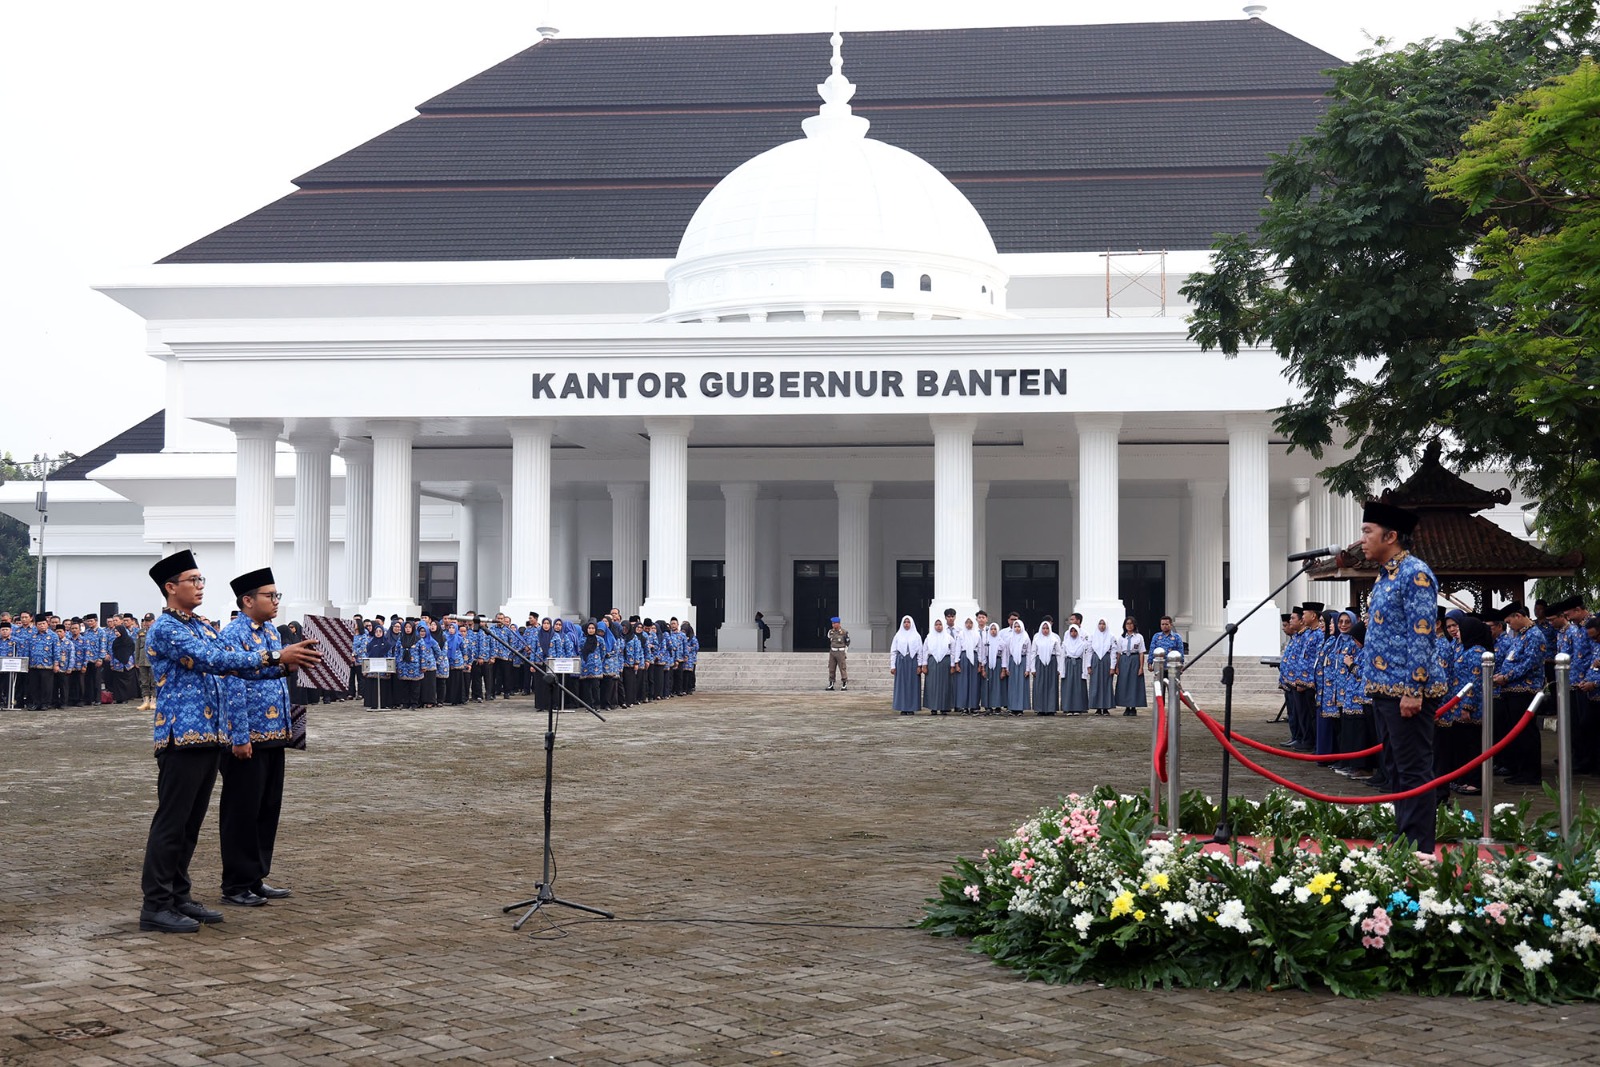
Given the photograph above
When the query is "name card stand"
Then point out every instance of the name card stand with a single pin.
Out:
(12, 666)
(564, 665)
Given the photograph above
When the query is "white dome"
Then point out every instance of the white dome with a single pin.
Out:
(835, 225)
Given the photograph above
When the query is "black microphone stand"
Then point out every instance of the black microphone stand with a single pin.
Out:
(544, 889)
(1224, 832)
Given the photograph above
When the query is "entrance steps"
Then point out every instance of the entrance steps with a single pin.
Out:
(798, 672)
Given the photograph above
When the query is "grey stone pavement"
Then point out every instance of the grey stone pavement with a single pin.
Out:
(764, 856)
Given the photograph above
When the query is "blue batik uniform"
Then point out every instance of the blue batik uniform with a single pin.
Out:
(1523, 665)
(429, 652)
(651, 642)
(22, 641)
(1466, 666)
(613, 658)
(187, 659)
(66, 653)
(1161, 644)
(256, 699)
(358, 645)
(594, 664)
(408, 661)
(691, 652)
(633, 653)
(455, 648)
(1400, 658)
(1574, 641)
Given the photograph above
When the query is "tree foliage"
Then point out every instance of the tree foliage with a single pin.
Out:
(17, 565)
(1356, 276)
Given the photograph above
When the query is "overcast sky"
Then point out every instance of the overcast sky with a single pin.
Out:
(135, 128)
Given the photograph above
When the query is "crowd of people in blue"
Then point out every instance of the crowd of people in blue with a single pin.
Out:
(981, 668)
(460, 659)
(1323, 673)
(75, 661)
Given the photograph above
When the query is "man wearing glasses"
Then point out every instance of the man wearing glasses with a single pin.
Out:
(188, 659)
(256, 721)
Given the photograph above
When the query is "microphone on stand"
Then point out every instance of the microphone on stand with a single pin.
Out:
(1317, 553)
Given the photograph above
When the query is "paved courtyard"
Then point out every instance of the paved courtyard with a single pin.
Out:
(764, 856)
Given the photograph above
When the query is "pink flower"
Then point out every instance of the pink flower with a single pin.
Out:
(971, 892)
(1372, 942)
(1027, 879)
(1497, 911)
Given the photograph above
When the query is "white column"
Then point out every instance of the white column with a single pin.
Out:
(467, 556)
(255, 481)
(1249, 517)
(502, 591)
(669, 520)
(980, 544)
(1183, 612)
(627, 546)
(530, 519)
(1299, 535)
(564, 585)
(357, 456)
(952, 518)
(394, 570)
(769, 571)
(1344, 518)
(738, 630)
(855, 500)
(1205, 562)
(1098, 529)
(313, 483)
(1320, 524)
(416, 535)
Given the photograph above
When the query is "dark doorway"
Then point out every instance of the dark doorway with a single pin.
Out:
(1032, 589)
(913, 592)
(599, 587)
(1142, 588)
(436, 588)
(707, 593)
(108, 609)
(816, 601)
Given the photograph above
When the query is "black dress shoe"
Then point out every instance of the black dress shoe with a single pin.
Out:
(243, 899)
(167, 921)
(262, 889)
(199, 912)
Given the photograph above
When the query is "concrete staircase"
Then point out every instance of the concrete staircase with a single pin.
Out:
(1254, 686)
(788, 672)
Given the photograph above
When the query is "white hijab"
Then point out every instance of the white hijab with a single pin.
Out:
(997, 645)
(1074, 645)
(907, 642)
(938, 643)
(1017, 643)
(1101, 639)
(970, 638)
(1045, 643)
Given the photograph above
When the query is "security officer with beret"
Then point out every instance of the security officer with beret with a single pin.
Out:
(188, 659)
(256, 721)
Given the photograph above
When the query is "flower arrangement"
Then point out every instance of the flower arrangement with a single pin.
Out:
(1082, 892)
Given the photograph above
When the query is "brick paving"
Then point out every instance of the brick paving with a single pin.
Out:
(404, 833)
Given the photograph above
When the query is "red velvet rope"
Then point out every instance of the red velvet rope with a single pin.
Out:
(1160, 756)
(1335, 757)
(1216, 731)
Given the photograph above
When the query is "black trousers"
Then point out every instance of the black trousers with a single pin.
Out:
(1408, 763)
(247, 816)
(1455, 746)
(1522, 758)
(184, 778)
(630, 685)
(91, 684)
(41, 687)
(1303, 716)
(407, 692)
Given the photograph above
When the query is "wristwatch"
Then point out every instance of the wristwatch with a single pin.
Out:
(269, 657)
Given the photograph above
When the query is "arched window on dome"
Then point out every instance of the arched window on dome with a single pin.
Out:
(926, 285)
(886, 281)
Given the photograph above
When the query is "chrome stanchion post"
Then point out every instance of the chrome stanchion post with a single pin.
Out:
(1564, 741)
(1486, 770)
(1155, 736)
(1174, 719)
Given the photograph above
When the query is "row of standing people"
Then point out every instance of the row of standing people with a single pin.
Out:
(456, 661)
(72, 662)
(982, 668)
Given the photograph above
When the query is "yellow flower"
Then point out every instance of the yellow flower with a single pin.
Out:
(1327, 899)
(1138, 916)
(1122, 904)
(1161, 881)
(1319, 885)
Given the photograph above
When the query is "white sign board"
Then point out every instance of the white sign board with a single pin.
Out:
(13, 665)
(564, 665)
(378, 665)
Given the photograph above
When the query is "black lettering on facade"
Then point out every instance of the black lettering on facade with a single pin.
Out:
(838, 383)
(813, 384)
(927, 383)
(1028, 382)
(978, 381)
(952, 384)
(541, 386)
(572, 387)
(599, 386)
(710, 384)
(789, 384)
(623, 378)
(649, 385)
(866, 383)
(675, 382)
(763, 385)
(891, 383)
(1055, 382)
(1005, 377)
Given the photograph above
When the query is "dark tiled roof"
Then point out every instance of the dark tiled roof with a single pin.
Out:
(1456, 544)
(1066, 138)
(1432, 486)
(145, 437)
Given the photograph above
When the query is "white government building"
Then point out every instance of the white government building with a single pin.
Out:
(461, 368)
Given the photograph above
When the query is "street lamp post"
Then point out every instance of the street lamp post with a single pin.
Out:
(41, 504)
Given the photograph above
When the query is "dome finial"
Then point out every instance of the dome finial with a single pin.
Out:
(834, 116)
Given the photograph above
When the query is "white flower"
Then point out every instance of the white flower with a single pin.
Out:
(1347, 864)
(1176, 912)
(1082, 920)
(1569, 900)
(1281, 886)
(1301, 894)
(1500, 809)
(1250, 865)
(1455, 926)
(1231, 915)
(1360, 902)
(1533, 959)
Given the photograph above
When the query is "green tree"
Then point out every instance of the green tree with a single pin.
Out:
(17, 565)
(1354, 274)
(1529, 175)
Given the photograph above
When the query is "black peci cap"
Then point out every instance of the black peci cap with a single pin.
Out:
(252, 580)
(174, 565)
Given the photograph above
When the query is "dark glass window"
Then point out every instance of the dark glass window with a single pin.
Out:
(926, 284)
(887, 280)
